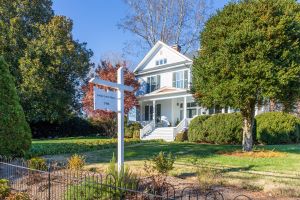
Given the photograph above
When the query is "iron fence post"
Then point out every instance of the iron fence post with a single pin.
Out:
(49, 182)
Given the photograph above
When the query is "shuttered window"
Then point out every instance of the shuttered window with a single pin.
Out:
(180, 79)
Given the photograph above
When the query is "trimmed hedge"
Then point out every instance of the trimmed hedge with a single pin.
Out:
(217, 129)
(277, 128)
(75, 126)
(195, 128)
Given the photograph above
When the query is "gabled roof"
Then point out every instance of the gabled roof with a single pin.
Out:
(153, 49)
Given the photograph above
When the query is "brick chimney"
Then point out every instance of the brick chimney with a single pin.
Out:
(177, 47)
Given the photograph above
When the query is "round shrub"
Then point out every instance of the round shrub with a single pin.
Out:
(195, 128)
(218, 129)
(76, 162)
(277, 128)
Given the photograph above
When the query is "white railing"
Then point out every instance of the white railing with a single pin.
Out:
(147, 129)
(181, 126)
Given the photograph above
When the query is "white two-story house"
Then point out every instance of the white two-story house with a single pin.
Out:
(166, 106)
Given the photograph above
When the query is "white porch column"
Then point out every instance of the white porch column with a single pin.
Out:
(154, 112)
(223, 110)
(184, 107)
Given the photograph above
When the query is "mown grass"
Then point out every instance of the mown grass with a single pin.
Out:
(74, 145)
(279, 175)
(185, 152)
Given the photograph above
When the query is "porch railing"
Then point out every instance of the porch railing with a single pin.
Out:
(181, 126)
(147, 129)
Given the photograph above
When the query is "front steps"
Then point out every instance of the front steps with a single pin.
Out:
(165, 133)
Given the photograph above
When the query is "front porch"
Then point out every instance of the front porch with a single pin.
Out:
(168, 111)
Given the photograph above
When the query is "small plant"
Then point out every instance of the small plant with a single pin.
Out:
(18, 196)
(76, 162)
(181, 136)
(91, 188)
(4, 188)
(163, 163)
(206, 175)
(37, 163)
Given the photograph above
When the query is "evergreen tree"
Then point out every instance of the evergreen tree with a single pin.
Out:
(15, 134)
(250, 52)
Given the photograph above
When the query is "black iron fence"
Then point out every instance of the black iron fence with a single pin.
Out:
(58, 183)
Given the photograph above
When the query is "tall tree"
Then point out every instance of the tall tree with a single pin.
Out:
(15, 135)
(171, 21)
(18, 26)
(250, 51)
(52, 68)
(107, 71)
(47, 63)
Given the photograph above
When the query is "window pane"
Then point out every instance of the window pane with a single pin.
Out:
(151, 113)
(186, 79)
(165, 61)
(161, 62)
(174, 79)
(146, 113)
(158, 82)
(157, 62)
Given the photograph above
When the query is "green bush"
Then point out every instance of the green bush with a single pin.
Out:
(163, 163)
(217, 129)
(37, 163)
(4, 188)
(76, 162)
(195, 128)
(277, 128)
(182, 136)
(133, 130)
(15, 134)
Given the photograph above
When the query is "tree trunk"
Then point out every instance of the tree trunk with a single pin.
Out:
(272, 106)
(248, 125)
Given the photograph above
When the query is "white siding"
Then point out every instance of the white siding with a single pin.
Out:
(162, 53)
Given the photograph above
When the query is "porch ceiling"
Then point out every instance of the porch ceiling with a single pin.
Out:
(165, 93)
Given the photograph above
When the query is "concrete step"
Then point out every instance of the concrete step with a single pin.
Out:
(164, 133)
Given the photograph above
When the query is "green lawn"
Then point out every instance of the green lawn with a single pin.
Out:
(72, 145)
(100, 150)
(278, 175)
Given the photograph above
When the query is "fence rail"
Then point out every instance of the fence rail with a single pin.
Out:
(58, 183)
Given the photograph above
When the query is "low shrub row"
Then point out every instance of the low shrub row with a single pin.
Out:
(75, 126)
(270, 128)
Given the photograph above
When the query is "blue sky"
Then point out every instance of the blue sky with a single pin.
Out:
(95, 22)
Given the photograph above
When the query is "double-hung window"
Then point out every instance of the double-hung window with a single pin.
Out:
(180, 79)
(153, 83)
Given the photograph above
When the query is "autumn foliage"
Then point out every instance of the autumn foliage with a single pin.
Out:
(107, 71)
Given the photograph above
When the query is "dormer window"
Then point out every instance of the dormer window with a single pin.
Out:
(161, 62)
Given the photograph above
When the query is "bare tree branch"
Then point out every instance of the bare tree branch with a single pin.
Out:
(171, 21)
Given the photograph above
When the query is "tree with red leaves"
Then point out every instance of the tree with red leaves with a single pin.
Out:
(107, 71)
